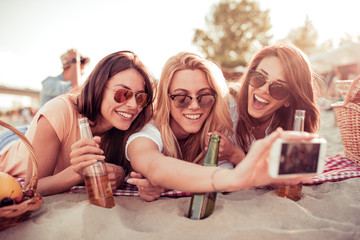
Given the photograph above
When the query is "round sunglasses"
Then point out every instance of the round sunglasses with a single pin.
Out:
(276, 90)
(184, 101)
(122, 95)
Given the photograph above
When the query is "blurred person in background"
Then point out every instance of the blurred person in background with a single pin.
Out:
(73, 68)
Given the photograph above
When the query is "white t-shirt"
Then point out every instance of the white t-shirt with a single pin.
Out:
(151, 132)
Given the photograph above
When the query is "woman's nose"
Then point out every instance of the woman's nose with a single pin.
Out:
(194, 103)
(131, 102)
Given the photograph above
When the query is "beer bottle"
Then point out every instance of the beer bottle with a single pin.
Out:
(202, 204)
(293, 192)
(96, 179)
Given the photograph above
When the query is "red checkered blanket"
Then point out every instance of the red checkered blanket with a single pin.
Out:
(336, 168)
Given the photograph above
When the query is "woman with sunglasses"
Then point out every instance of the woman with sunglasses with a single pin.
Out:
(116, 99)
(192, 100)
(278, 81)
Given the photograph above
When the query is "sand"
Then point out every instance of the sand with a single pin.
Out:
(329, 210)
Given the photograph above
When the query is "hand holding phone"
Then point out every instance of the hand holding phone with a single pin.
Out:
(297, 158)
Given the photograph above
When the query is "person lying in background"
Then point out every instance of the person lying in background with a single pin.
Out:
(73, 68)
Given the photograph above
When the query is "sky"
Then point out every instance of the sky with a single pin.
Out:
(33, 34)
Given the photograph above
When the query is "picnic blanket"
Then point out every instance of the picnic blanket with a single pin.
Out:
(131, 190)
(336, 168)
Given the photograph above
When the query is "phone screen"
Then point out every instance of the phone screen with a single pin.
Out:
(299, 158)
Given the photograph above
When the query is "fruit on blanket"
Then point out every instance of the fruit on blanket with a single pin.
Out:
(18, 200)
(6, 201)
(29, 193)
(9, 186)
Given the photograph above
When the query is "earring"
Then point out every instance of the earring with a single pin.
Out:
(287, 105)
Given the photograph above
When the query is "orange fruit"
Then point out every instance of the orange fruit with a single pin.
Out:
(9, 186)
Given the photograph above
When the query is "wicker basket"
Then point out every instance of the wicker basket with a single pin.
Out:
(348, 119)
(14, 214)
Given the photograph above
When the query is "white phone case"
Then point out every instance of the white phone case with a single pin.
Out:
(289, 158)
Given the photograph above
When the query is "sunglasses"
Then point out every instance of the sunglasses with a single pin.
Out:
(122, 95)
(184, 101)
(276, 90)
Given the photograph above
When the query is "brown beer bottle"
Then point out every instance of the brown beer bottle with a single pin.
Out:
(96, 179)
(293, 192)
(202, 204)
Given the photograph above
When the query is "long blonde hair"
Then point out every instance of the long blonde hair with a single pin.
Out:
(219, 118)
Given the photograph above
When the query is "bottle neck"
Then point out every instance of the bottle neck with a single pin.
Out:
(84, 127)
(299, 120)
(211, 157)
(299, 123)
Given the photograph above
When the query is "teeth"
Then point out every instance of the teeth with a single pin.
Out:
(127, 115)
(260, 99)
(193, 116)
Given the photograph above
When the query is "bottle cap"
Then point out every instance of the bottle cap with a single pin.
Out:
(299, 113)
(215, 137)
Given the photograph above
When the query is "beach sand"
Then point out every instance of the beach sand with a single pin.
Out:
(329, 210)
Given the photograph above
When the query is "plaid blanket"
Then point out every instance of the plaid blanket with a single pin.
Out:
(131, 190)
(336, 168)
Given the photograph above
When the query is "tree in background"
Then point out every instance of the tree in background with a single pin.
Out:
(305, 37)
(236, 29)
(347, 38)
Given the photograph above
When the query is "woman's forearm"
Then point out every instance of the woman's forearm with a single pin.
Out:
(59, 182)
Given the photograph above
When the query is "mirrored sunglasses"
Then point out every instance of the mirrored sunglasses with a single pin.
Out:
(184, 101)
(276, 90)
(122, 95)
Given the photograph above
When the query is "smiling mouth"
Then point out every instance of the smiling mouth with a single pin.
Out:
(261, 100)
(126, 115)
(192, 116)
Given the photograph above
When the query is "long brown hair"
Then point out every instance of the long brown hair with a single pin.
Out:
(90, 99)
(303, 87)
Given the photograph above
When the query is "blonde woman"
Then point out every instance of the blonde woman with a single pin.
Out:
(192, 100)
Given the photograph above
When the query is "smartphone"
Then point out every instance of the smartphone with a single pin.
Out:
(297, 158)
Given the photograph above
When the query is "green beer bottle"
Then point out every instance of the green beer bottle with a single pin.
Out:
(202, 204)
